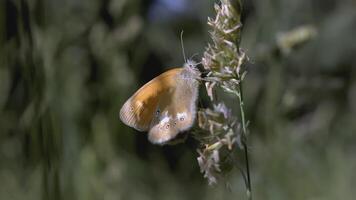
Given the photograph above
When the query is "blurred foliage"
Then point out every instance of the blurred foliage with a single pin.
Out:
(66, 67)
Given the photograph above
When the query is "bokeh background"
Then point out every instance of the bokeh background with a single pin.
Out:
(66, 67)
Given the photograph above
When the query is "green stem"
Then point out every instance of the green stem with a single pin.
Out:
(244, 139)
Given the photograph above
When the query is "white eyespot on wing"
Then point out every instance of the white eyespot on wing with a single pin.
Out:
(181, 116)
(184, 120)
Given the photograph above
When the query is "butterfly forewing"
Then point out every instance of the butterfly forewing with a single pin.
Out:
(139, 110)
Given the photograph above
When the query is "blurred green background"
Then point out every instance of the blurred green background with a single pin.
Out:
(66, 67)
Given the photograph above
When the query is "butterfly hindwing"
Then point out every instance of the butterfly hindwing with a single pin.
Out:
(185, 114)
(177, 112)
(163, 129)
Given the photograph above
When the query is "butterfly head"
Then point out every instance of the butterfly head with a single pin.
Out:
(191, 68)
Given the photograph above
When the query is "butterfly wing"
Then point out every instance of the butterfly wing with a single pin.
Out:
(163, 130)
(140, 109)
(179, 110)
(169, 126)
(185, 113)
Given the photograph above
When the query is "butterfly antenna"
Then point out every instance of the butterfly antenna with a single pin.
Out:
(181, 42)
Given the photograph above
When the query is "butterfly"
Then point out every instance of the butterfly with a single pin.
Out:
(166, 105)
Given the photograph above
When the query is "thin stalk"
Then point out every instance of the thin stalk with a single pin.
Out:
(244, 139)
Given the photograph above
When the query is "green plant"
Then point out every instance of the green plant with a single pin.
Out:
(223, 60)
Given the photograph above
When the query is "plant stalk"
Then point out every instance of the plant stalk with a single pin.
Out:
(244, 138)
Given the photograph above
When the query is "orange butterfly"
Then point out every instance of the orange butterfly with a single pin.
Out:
(166, 105)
